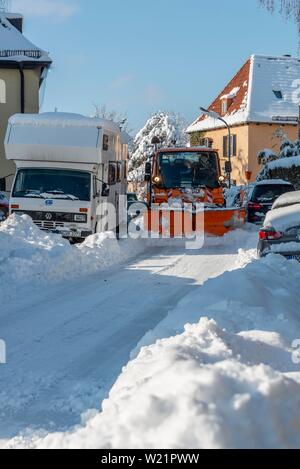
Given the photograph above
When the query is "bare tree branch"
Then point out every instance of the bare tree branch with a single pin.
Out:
(289, 9)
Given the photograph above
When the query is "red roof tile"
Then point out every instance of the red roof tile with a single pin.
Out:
(241, 80)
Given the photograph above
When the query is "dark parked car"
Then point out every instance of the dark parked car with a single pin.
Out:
(4, 205)
(132, 199)
(262, 196)
(280, 233)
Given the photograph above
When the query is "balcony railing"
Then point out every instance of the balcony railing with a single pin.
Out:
(34, 54)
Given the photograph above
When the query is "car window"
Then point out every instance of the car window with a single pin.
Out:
(269, 193)
(132, 197)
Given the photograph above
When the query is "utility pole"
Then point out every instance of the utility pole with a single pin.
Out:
(299, 124)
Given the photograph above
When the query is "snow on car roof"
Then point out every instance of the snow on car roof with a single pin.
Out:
(289, 198)
(283, 218)
(272, 182)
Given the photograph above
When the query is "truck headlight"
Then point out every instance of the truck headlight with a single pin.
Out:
(80, 218)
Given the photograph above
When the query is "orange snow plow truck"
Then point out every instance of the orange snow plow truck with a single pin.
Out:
(185, 194)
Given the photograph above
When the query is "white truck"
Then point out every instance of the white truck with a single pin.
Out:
(70, 168)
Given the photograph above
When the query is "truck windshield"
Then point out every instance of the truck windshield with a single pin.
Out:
(188, 169)
(52, 183)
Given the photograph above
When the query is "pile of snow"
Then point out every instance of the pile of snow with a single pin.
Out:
(29, 255)
(221, 374)
(168, 127)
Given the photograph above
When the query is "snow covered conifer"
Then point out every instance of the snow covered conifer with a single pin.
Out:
(168, 127)
(266, 155)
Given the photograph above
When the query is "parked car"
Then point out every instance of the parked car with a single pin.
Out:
(262, 196)
(132, 199)
(280, 233)
(4, 205)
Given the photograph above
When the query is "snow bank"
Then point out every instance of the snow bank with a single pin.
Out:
(29, 255)
(226, 381)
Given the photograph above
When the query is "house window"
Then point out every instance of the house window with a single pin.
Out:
(206, 142)
(278, 94)
(119, 172)
(105, 142)
(112, 174)
(224, 107)
(233, 146)
(2, 91)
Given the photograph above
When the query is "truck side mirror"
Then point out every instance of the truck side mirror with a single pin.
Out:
(3, 185)
(148, 171)
(105, 190)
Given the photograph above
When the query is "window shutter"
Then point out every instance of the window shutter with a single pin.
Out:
(225, 147)
(234, 145)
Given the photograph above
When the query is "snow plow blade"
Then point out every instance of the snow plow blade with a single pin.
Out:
(174, 223)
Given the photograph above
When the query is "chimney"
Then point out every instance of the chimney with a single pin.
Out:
(15, 20)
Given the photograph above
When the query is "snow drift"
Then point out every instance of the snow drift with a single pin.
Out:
(29, 255)
(226, 381)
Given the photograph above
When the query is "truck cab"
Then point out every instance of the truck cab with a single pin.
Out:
(188, 174)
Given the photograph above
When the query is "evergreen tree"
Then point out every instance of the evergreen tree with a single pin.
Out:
(170, 130)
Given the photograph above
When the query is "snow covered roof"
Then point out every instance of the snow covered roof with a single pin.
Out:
(265, 90)
(61, 119)
(57, 137)
(14, 47)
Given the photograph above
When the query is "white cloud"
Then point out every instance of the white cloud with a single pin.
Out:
(58, 9)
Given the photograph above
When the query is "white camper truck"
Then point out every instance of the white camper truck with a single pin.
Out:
(69, 168)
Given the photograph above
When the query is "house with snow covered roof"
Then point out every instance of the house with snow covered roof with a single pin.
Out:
(261, 105)
(23, 70)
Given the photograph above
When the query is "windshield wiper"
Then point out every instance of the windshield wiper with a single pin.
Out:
(59, 195)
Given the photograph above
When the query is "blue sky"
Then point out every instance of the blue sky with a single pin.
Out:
(139, 56)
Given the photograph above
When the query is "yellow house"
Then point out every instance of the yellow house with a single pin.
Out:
(261, 106)
(23, 69)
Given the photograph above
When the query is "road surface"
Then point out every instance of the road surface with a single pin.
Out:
(67, 344)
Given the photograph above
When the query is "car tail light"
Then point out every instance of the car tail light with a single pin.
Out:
(270, 235)
(254, 206)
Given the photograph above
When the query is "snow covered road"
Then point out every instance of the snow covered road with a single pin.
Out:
(67, 343)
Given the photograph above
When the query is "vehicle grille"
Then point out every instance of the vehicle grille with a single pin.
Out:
(48, 225)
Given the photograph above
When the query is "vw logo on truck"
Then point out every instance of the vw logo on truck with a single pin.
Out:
(48, 216)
